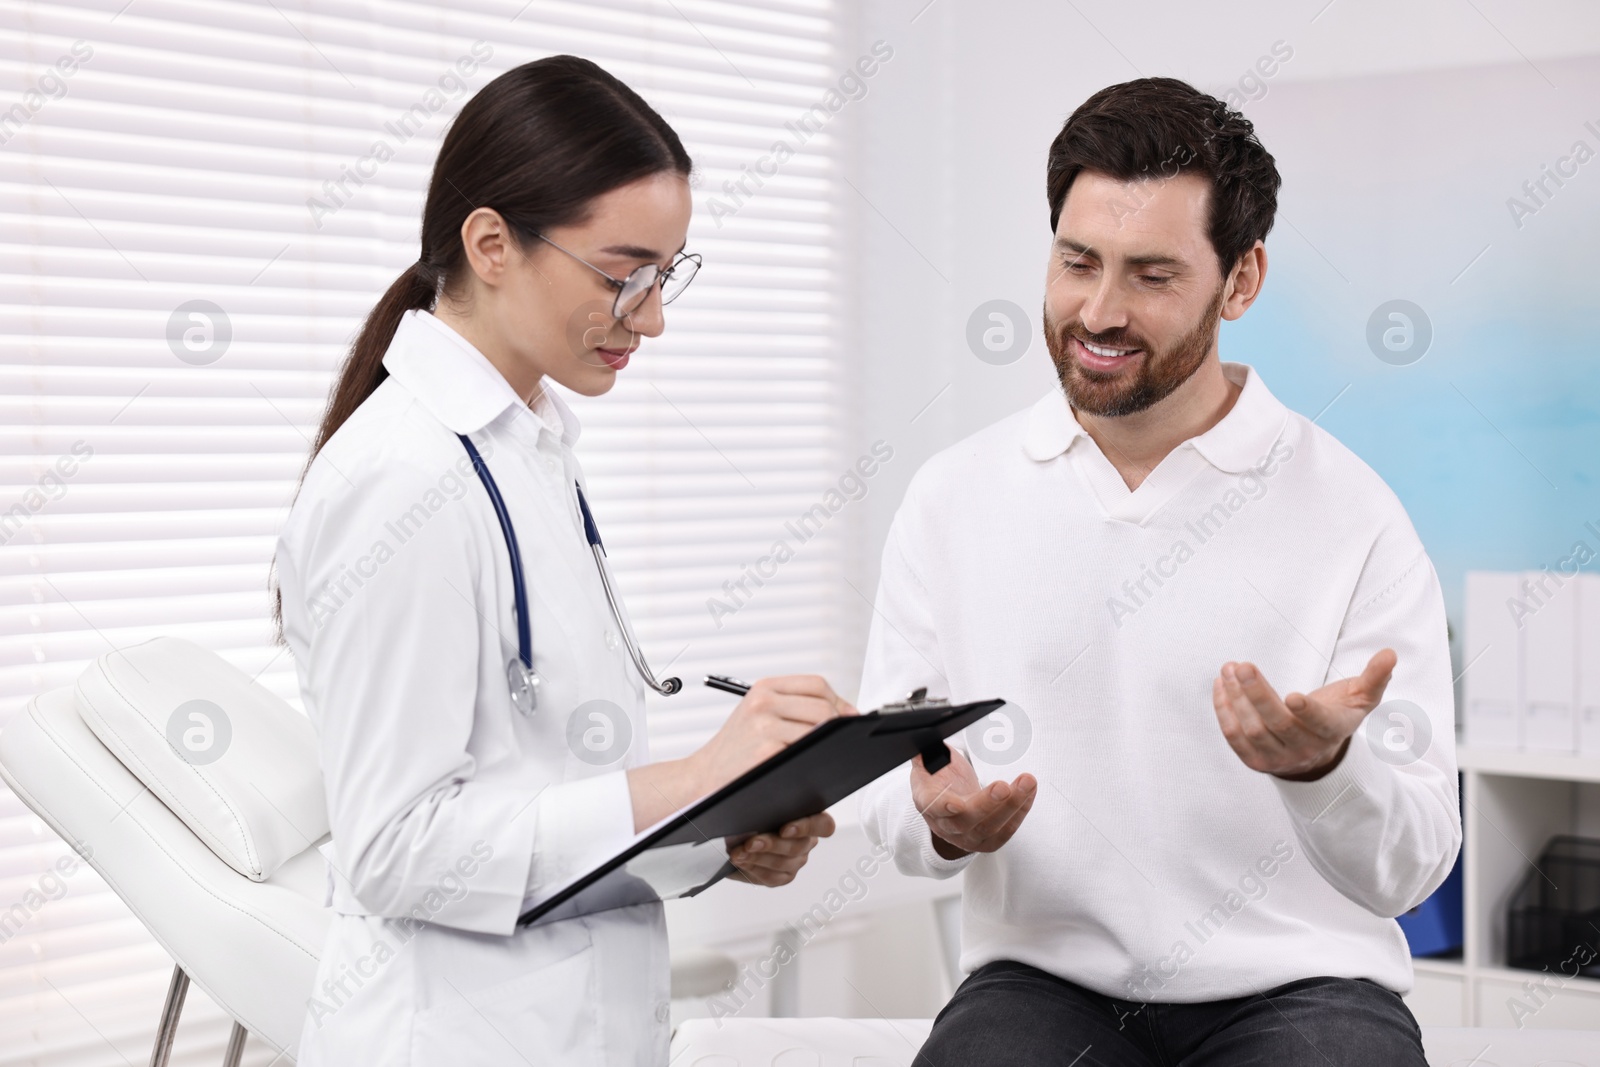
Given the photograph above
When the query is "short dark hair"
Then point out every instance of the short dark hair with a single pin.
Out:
(1157, 128)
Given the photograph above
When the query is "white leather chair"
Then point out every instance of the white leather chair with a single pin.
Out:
(215, 856)
(894, 1043)
(250, 941)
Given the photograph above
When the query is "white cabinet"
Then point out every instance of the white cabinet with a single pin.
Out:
(1515, 802)
(1439, 996)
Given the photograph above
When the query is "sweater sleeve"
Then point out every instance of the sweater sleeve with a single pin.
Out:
(902, 655)
(1384, 826)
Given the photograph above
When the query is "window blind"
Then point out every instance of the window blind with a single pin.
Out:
(195, 220)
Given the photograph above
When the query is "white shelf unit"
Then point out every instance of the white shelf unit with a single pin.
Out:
(1515, 802)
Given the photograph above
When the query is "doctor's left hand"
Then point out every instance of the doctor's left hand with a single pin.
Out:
(774, 859)
(1302, 736)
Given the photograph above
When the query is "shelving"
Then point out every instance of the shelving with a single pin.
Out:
(1515, 802)
(1556, 766)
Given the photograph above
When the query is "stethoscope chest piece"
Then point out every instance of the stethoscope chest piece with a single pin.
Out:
(524, 686)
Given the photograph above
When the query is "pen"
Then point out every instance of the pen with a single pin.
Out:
(738, 689)
(727, 685)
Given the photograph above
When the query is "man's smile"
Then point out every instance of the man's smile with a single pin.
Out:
(1102, 357)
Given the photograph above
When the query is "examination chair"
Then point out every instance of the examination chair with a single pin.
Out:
(212, 850)
(195, 794)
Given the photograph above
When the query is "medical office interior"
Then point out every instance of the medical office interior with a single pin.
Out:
(201, 201)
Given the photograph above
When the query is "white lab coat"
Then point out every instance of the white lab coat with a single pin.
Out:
(447, 805)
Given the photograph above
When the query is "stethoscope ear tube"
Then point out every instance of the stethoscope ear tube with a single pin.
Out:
(591, 533)
(666, 688)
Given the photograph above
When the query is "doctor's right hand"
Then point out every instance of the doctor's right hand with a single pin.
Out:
(965, 816)
(775, 713)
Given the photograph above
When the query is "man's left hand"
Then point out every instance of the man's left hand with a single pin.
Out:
(1302, 736)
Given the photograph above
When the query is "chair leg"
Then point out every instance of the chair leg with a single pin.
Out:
(236, 1038)
(177, 989)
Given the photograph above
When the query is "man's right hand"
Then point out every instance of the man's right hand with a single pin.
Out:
(965, 816)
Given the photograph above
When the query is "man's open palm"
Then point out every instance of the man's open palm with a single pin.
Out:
(964, 815)
(1301, 736)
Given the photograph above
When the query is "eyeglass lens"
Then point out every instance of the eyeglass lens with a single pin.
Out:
(636, 286)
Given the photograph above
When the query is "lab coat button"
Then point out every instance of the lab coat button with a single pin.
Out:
(611, 640)
(663, 1012)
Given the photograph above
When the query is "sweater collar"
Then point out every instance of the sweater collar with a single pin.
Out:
(1239, 441)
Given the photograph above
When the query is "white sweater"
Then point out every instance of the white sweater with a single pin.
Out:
(1155, 866)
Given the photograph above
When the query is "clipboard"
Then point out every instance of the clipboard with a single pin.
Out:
(683, 854)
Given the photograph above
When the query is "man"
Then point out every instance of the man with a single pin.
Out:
(1193, 599)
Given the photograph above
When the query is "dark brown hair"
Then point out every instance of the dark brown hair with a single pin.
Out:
(537, 144)
(1153, 129)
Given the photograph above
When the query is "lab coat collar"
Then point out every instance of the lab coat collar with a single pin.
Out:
(458, 385)
(1241, 440)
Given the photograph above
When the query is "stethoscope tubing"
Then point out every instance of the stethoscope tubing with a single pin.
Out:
(591, 533)
(666, 688)
(519, 590)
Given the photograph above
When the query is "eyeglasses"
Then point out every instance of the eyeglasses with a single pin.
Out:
(635, 288)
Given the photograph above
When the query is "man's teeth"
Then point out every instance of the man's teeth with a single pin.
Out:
(1106, 353)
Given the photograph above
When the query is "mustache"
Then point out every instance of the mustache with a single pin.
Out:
(1118, 338)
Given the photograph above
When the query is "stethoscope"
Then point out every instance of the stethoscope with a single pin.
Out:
(519, 672)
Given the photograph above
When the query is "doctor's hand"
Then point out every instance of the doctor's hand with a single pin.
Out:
(1302, 736)
(774, 859)
(775, 713)
(964, 815)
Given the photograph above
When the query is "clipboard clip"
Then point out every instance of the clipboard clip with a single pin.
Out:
(936, 756)
(917, 698)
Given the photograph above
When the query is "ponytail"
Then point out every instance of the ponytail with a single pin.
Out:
(363, 369)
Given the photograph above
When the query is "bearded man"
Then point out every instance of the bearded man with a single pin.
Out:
(1194, 599)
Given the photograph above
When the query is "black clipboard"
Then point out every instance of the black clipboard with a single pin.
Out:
(683, 854)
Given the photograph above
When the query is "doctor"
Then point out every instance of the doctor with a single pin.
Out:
(552, 235)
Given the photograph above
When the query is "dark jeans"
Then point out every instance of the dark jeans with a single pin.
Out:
(1008, 1014)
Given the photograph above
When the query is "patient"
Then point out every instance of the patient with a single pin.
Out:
(1194, 598)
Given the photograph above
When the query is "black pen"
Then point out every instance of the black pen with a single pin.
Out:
(738, 689)
(727, 685)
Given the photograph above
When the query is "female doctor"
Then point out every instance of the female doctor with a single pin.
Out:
(552, 235)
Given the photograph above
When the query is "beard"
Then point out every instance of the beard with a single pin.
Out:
(1118, 393)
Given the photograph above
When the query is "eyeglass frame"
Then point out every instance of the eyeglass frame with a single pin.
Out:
(621, 284)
